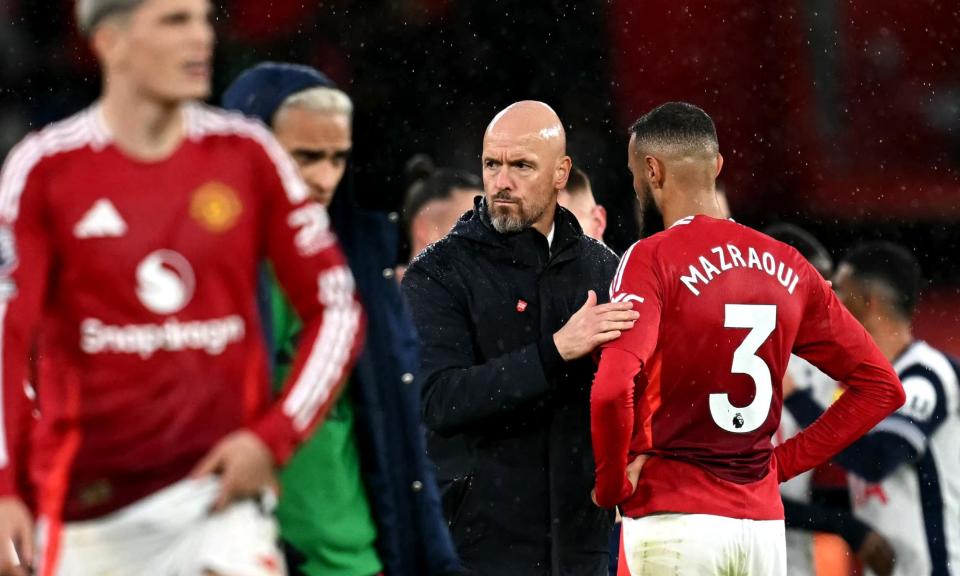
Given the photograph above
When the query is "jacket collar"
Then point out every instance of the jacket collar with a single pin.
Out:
(527, 246)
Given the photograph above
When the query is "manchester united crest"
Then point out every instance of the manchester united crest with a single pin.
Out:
(215, 206)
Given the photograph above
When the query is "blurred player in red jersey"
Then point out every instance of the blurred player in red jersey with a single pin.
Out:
(690, 396)
(131, 238)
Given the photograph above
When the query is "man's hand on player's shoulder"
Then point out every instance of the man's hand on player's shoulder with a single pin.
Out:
(244, 464)
(593, 325)
(16, 537)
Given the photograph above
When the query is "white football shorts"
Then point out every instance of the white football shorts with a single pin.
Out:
(704, 545)
(169, 533)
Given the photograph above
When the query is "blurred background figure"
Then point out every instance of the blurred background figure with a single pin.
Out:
(803, 517)
(904, 474)
(166, 208)
(804, 242)
(578, 198)
(435, 200)
(360, 497)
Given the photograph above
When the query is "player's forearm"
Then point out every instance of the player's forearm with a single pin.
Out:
(873, 393)
(24, 280)
(459, 399)
(18, 319)
(16, 421)
(872, 457)
(17, 409)
(611, 424)
(329, 347)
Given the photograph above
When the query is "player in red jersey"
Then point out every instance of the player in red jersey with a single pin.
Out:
(130, 242)
(691, 394)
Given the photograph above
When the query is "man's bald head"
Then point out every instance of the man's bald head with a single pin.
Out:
(524, 166)
(529, 119)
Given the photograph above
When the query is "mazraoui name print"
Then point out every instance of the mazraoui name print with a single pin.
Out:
(720, 259)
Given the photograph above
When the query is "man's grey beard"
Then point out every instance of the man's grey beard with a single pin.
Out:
(507, 223)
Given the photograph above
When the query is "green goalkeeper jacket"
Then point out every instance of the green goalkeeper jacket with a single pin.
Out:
(324, 513)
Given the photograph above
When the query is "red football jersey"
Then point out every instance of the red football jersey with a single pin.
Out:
(134, 284)
(696, 383)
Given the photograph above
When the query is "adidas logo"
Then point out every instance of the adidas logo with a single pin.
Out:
(101, 221)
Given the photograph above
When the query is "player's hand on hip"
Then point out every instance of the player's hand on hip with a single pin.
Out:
(633, 476)
(877, 553)
(592, 325)
(16, 537)
(244, 464)
(633, 470)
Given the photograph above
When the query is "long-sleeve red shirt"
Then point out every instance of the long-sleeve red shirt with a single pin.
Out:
(135, 284)
(696, 383)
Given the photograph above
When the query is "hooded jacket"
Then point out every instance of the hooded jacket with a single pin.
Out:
(412, 538)
(508, 419)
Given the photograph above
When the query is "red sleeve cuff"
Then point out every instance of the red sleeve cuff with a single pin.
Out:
(277, 433)
(8, 483)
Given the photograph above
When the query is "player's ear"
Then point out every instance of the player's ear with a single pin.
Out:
(107, 41)
(420, 231)
(719, 164)
(600, 215)
(654, 171)
(871, 301)
(562, 173)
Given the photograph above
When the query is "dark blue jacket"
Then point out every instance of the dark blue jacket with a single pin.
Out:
(413, 537)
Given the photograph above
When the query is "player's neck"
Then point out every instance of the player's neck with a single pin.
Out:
(142, 127)
(892, 336)
(678, 205)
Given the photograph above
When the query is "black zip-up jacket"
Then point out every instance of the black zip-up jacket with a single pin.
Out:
(508, 419)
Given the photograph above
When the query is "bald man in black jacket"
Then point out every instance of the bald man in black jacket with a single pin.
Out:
(506, 308)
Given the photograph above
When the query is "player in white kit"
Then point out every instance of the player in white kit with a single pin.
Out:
(804, 518)
(905, 474)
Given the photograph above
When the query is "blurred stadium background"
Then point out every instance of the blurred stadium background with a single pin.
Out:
(840, 116)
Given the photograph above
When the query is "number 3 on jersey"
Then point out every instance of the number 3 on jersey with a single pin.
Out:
(761, 319)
